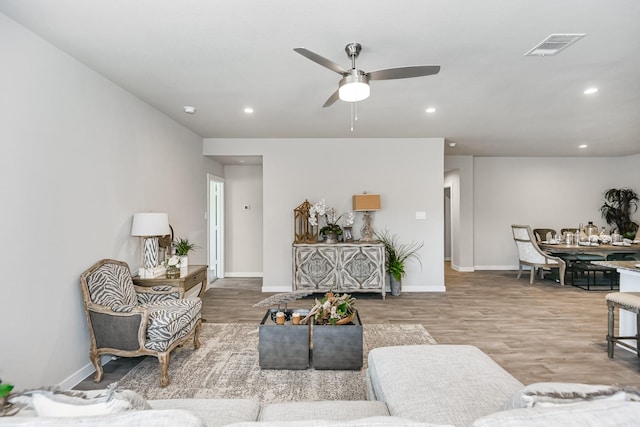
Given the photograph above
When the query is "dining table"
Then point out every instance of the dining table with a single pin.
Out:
(603, 249)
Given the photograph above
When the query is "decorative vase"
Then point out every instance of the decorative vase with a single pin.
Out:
(331, 237)
(184, 261)
(173, 272)
(396, 285)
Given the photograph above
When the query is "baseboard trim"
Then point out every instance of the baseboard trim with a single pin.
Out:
(462, 269)
(236, 274)
(78, 376)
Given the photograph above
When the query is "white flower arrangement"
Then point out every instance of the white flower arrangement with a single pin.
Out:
(320, 209)
(174, 261)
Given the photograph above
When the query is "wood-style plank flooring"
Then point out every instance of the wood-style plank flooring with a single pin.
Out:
(539, 332)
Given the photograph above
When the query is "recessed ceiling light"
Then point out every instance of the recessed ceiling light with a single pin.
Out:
(431, 110)
(591, 91)
(582, 146)
(189, 109)
(248, 110)
(452, 144)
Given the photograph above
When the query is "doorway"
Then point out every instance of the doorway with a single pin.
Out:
(447, 224)
(215, 227)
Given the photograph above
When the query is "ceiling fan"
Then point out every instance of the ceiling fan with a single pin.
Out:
(354, 85)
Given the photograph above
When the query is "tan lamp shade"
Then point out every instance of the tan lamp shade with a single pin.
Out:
(366, 202)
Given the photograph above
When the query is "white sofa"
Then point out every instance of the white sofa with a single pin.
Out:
(419, 386)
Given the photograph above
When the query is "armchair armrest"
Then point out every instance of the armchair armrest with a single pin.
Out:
(148, 295)
(118, 329)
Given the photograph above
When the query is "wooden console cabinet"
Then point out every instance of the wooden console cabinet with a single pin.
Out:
(345, 267)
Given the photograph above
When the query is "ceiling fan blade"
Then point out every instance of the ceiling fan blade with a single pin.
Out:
(333, 98)
(404, 72)
(321, 60)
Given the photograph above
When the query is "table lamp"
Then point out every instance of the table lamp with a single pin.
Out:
(150, 226)
(366, 203)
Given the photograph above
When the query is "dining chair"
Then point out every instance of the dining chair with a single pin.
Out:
(531, 255)
(543, 233)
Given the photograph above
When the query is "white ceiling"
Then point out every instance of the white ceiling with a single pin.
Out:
(491, 100)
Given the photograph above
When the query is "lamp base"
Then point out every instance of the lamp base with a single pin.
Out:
(366, 232)
(152, 272)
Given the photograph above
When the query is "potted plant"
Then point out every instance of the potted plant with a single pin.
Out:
(618, 206)
(183, 247)
(397, 256)
(5, 406)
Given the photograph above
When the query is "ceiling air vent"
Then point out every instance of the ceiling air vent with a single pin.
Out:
(553, 44)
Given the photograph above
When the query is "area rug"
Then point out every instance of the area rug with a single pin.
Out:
(226, 366)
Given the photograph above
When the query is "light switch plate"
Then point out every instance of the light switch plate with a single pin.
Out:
(421, 215)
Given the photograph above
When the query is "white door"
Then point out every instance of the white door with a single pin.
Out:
(215, 214)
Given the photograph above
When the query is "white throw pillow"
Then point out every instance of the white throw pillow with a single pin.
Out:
(46, 407)
(52, 402)
(548, 394)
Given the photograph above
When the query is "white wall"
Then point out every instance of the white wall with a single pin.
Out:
(407, 173)
(243, 228)
(542, 192)
(80, 156)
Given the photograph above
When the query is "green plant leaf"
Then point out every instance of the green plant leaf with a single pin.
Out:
(5, 389)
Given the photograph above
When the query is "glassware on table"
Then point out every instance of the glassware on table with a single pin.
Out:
(569, 238)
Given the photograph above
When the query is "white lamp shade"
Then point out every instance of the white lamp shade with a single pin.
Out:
(150, 224)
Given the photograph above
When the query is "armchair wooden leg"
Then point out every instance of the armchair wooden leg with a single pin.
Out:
(519, 271)
(532, 275)
(196, 336)
(561, 272)
(163, 360)
(95, 359)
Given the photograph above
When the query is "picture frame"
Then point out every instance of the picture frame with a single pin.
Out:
(347, 234)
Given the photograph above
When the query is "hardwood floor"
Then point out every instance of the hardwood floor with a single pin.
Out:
(539, 332)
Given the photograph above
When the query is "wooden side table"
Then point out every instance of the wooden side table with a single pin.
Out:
(196, 274)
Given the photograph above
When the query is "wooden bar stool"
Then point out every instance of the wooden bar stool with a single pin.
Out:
(629, 301)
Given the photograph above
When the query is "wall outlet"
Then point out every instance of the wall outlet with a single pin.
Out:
(421, 215)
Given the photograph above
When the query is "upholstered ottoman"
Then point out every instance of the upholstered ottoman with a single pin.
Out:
(441, 384)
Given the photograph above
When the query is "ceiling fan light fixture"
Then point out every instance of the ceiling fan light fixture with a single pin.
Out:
(354, 87)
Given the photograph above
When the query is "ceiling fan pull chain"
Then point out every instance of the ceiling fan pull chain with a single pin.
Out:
(352, 116)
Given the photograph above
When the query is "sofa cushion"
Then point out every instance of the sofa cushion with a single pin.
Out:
(334, 410)
(556, 393)
(362, 422)
(587, 414)
(445, 384)
(214, 412)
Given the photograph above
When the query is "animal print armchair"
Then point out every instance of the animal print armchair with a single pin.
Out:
(131, 321)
